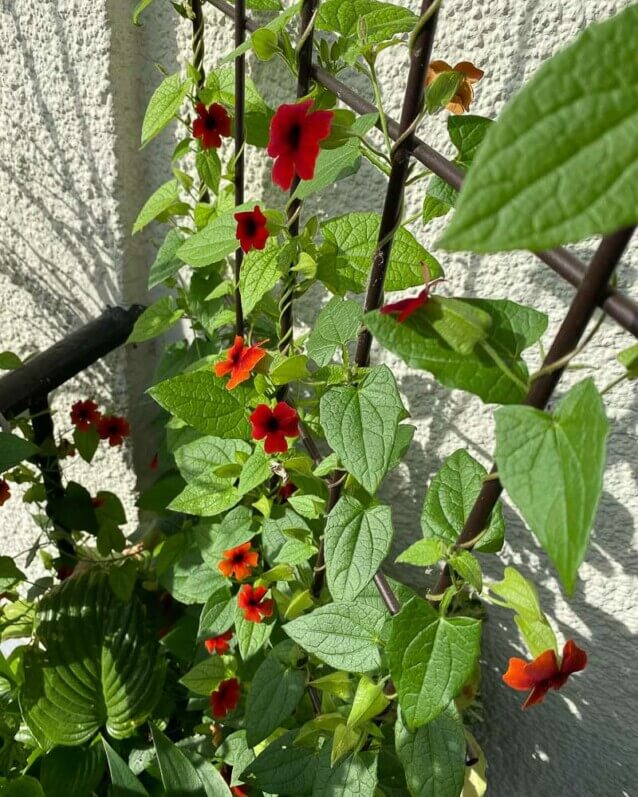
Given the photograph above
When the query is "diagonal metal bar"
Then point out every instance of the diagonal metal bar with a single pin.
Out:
(616, 304)
(240, 107)
(198, 45)
(580, 312)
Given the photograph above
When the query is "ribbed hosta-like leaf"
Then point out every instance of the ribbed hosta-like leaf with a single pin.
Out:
(98, 664)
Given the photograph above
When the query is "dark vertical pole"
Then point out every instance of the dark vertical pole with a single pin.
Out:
(240, 103)
(393, 206)
(48, 464)
(198, 63)
(304, 76)
(580, 312)
(390, 220)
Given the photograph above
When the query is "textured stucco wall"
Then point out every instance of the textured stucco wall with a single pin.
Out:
(74, 79)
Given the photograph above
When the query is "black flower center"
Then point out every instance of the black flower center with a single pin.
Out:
(210, 123)
(294, 135)
(238, 558)
(272, 424)
(250, 225)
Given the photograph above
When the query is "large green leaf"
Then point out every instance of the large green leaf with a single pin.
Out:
(200, 399)
(217, 615)
(430, 658)
(382, 20)
(343, 635)
(282, 768)
(357, 540)
(336, 325)
(251, 637)
(494, 370)
(532, 185)
(163, 106)
(179, 776)
(206, 675)
(552, 468)
(259, 274)
(360, 423)
(99, 665)
(65, 771)
(355, 776)
(273, 696)
(433, 757)
(332, 165)
(159, 201)
(123, 781)
(449, 501)
(155, 320)
(213, 243)
(345, 257)
(14, 449)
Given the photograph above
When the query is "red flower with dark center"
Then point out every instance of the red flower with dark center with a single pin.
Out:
(251, 601)
(85, 414)
(295, 133)
(219, 644)
(113, 428)
(211, 124)
(275, 426)
(252, 232)
(5, 491)
(405, 307)
(238, 561)
(240, 361)
(225, 697)
(544, 673)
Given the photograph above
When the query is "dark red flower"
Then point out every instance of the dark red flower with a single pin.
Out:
(275, 425)
(84, 415)
(225, 697)
(64, 571)
(113, 428)
(251, 601)
(286, 490)
(405, 307)
(544, 673)
(239, 791)
(240, 361)
(5, 491)
(238, 561)
(295, 133)
(219, 644)
(211, 124)
(252, 232)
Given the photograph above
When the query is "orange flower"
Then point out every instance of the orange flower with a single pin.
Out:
(240, 361)
(544, 673)
(461, 101)
(251, 601)
(219, 644)
(238, 561)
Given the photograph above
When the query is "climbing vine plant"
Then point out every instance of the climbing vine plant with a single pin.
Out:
(246, 641)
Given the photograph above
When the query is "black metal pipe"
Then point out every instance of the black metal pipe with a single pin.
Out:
(66, 358)
(240, 135)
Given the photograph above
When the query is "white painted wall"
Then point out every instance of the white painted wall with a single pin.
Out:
(74, 79)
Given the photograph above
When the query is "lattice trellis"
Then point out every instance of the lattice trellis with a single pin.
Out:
(590, 280)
